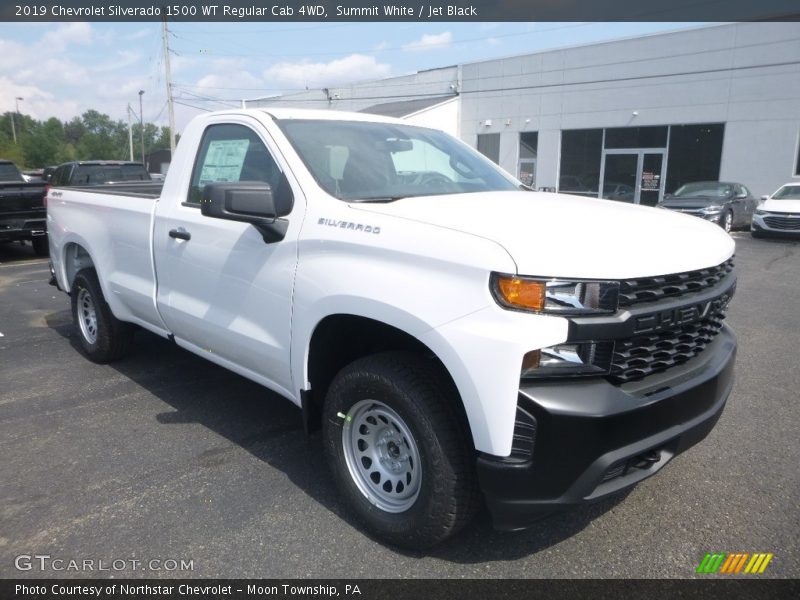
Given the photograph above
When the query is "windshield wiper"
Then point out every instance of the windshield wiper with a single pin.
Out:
(379, 200)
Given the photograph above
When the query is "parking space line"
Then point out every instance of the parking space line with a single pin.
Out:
(25, 263)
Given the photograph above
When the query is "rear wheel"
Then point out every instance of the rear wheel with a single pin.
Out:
(103, 337)
(397, 449)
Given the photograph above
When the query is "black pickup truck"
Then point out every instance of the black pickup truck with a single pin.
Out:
(22, 211)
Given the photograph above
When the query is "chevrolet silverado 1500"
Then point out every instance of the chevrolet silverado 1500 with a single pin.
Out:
(455, 338)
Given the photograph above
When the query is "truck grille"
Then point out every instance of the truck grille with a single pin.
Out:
(643, 355)
(648, 289)
(784, 222)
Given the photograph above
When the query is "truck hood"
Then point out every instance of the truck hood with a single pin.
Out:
(784, 206)
(558, 235)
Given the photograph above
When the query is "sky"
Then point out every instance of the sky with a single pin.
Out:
(64, 69)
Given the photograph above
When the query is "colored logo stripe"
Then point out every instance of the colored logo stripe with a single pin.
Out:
(732, 563)
(758, 563)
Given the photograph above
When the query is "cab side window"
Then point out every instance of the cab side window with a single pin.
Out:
(60, 175)
(231, 153)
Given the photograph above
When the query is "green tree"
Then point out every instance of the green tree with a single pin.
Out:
(8, 149)
(101, 139)
(45, 144)
(92, 136)
(74, 131)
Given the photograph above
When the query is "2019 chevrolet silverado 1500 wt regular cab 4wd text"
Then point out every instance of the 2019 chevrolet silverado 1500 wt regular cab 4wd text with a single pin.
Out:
(456, 338)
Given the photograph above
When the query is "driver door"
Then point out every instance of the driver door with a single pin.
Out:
(222, 291)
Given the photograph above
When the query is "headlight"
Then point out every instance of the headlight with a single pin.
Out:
(555, 296)
(760, 211)
(566, 360)
(710, 210)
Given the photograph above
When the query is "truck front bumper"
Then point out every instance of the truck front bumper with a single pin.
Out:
(591, 438)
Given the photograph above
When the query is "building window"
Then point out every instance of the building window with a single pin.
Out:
(695, 154)
(581, 151)
(636, 137)
(528, 145)
(489, 146)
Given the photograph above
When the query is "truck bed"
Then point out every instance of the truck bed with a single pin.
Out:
(119, 219)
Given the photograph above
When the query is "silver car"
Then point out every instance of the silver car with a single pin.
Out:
(778, 213)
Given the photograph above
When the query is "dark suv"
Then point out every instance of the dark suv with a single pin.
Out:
(98, 172)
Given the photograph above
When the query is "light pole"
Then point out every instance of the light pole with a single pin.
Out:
(141, 122)
(13, 127)
(130, 130)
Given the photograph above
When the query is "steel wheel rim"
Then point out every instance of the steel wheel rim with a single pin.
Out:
(382, 456)
(87, 316)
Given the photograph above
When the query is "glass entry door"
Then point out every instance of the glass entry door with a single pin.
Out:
(651, 180)
(527, 172)
(635, 176)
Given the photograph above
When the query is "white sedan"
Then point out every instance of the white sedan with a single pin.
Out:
(778, 213)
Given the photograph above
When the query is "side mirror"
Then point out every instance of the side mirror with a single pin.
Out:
(764, 198)
(667, 196)
(741, 196)
(247, 202)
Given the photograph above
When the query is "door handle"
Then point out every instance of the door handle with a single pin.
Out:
(180, 234)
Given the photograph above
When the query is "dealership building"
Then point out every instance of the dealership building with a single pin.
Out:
(629, 119)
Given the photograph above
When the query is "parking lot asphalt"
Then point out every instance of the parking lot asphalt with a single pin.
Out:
(164, 456)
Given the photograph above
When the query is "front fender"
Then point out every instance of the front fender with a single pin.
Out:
(483, 353)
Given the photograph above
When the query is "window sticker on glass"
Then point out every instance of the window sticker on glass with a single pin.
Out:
(224, 161)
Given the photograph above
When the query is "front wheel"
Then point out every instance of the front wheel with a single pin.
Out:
(397, 450)
(727, 221)
(103, 337)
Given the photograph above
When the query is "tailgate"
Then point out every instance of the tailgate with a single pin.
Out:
(21, 199)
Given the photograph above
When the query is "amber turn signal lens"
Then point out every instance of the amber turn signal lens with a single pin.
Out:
(522, 293)
(530, 362)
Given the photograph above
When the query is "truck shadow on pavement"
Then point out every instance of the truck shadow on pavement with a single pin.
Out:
(16, 252)
(269, 427)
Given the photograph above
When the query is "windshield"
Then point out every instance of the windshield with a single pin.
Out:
(787, 192)
(367, 161)
(704, 188)
(8, 172)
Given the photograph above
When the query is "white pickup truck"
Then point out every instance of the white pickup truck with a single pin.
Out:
(457, 338)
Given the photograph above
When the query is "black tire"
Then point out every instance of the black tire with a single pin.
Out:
(416, 392)
(756, 234)
(41, 245)
(726, 222)
(112, 337)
